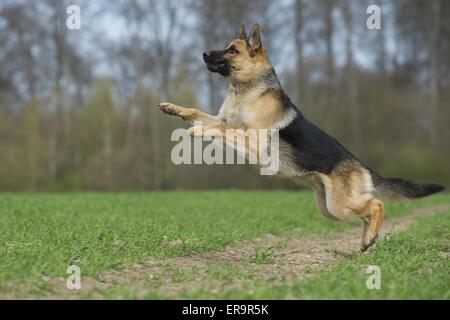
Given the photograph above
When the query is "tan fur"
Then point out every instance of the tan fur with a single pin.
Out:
(266, 112)
(347, 194)
(348, 188)
(372, 223)
(246, 66)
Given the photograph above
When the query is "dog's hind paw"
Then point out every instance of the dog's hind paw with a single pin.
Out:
(367, 246)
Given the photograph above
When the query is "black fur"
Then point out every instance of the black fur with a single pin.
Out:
(314, 149)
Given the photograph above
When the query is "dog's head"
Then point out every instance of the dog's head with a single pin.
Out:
(242, 60)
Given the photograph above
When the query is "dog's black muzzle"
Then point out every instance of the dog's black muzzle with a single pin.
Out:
(216, 62)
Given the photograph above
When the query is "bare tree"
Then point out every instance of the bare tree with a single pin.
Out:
(156, 32)
(299, 44)
(351, 82)
(433, 31)
(328, 31)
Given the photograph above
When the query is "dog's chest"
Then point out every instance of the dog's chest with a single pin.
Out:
(233, 113)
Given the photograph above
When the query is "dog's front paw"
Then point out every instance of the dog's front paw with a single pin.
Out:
(170, 108)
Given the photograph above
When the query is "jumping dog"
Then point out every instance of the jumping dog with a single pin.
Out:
(343, 186)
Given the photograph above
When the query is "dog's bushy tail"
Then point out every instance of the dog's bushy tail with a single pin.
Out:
(396, 188)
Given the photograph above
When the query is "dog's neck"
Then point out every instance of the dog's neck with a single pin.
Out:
(266, 80)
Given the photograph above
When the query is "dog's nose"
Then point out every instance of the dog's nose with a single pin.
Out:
(206, 55)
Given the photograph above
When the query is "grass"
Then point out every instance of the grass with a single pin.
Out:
(414, 264)
(42, 234)
(262, 256)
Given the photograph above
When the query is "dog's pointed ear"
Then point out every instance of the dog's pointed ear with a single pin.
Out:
(242, 34)
(254, 39)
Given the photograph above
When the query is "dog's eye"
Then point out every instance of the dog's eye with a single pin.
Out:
(232, 51)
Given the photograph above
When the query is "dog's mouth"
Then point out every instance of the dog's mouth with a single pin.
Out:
(222, 67)
(215, 66)
(216, 62)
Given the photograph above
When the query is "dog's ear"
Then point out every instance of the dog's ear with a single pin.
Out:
(242, 34)
(254, 39)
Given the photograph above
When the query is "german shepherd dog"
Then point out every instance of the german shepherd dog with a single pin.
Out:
(343, 186)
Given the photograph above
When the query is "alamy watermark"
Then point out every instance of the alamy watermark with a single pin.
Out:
(373, 22)
(374, 280)
(253, 146)
(73, 21)
(73, 281)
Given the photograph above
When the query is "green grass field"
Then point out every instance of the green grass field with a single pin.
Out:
(414, 265)
(42, 234)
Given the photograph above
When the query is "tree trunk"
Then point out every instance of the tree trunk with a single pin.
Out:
(433, 41)
(351, 82)
(298, 31)
(329, 58)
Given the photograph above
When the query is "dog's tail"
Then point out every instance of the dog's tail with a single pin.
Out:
(396, 188)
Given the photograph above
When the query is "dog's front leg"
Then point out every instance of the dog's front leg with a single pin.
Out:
(189, 114)
(243, 142)
(214, 130)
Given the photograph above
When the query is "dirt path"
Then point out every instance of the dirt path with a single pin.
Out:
(281, 258)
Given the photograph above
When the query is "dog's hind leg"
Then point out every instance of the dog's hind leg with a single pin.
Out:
(372, 222)
(321, 203)
(349, 195)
